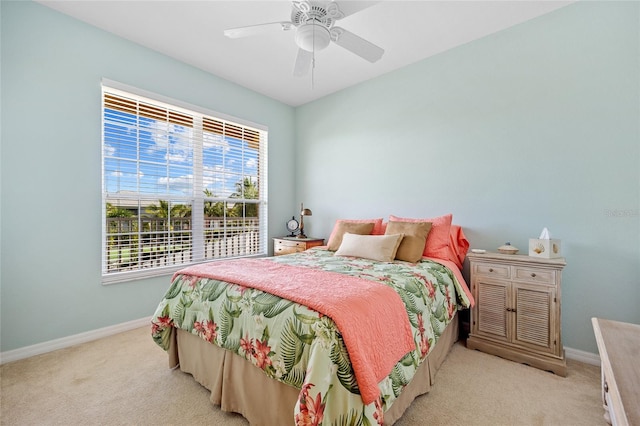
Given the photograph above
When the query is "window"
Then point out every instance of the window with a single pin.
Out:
(180, 185)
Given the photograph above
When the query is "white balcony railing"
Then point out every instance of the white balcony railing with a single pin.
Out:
(141, 243)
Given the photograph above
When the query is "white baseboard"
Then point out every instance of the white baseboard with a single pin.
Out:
(65, 342)
(76, 339)
(582, 356)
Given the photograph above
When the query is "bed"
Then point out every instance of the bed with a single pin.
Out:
(366, 340)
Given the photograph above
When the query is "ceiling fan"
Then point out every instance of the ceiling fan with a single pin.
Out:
(313, 22)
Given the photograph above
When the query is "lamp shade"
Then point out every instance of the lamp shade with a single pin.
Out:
(306, 212)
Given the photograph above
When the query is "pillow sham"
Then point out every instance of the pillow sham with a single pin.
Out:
(437, 244)
(415, 238)
(376, 247)
(336, 235)
(341, 228)
(458, 245)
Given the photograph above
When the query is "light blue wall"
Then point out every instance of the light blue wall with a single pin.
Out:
(52, 66)
(536, 126)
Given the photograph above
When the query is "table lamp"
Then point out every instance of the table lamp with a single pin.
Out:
(303, 212)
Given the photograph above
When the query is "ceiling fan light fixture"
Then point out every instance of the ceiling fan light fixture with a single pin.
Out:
(312, 38)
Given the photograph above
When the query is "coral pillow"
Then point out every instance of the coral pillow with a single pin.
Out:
(458, 245)
(377, 247)
(415, 238)
(339, 229)
(438, 239)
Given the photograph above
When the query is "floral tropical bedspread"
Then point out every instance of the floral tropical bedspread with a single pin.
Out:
(300, 347)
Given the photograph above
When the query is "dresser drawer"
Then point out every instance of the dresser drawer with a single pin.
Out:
(492, 270)
(543, 276)
(294, 245)
(287, 250)
(291, 244)
(287, 247)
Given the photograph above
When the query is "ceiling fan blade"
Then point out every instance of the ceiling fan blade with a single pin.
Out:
(303, 63)
(355, 44)
(350, 7)
(257, 29)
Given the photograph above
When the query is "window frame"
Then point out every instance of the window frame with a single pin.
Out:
(197, 197)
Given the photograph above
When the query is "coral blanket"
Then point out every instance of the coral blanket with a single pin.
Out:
(371, 316)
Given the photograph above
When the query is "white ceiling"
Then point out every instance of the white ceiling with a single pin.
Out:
(192, 32)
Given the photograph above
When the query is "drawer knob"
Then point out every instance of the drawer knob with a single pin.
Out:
(606, 387)
(533, 275)
(490, 269)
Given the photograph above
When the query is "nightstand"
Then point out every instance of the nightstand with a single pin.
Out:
(287, 245)
(517, 311)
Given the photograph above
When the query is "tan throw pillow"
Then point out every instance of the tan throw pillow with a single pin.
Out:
(341, 228)
(438, 240)
(415, 238)
(376, 247)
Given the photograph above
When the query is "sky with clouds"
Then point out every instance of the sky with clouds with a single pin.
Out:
(168, 164)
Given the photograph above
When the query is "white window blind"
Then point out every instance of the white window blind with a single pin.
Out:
(180, 186)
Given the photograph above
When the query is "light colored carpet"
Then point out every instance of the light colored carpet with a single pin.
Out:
(125, 380)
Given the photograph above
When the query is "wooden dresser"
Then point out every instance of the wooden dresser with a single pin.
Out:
(619, 347)
(287, 245)
(517, 313)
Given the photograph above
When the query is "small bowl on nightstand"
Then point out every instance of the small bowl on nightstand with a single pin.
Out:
(507, 248)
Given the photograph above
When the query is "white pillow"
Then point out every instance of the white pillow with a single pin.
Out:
(376, 247)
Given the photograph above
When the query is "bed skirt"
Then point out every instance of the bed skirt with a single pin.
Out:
(238, 386)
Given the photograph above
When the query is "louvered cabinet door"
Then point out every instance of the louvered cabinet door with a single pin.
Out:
(490, 319)
(534, 312)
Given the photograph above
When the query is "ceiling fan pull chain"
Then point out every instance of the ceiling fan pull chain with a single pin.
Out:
(313, 55)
